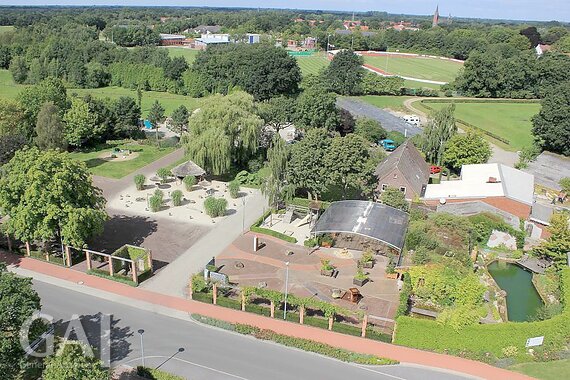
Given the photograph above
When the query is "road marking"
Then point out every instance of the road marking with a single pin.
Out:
(379, 372)
(191, 363)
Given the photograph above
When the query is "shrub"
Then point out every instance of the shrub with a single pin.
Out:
(199, 285)
(215, 206)
(163, 174)
(326, 265)
(159, 194)
(310, 243)
(189, 182)
(234, 188)
(405, 297)
(139, 181)
(177, 197)
(155, 202)
(565, 184)
(156, 374)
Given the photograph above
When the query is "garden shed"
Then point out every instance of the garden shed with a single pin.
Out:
(363, 224)
(188, 168)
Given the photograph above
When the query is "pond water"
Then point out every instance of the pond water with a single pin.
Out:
(523, 300)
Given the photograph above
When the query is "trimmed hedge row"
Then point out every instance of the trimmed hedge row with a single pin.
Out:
(255, 228)
(156, 374)
(303, 344)
(491, 134)
(482, 341)
(451, 100)
(117, 277)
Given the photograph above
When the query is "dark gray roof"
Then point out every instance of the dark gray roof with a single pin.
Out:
(374, 220)
(188, 168)
(548, 169)
(408, 160)
(347, 32)
(389, 122)
(207, 28)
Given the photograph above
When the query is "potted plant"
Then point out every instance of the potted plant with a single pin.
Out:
(327, 241)
(327, 269)
(367, 260)
(360, 278)
(390, 270)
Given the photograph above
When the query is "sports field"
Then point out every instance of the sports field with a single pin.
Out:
(189, 54)
(395, 103)
(312, 64)
(416, 67)
(9, 89)
(511, 121)
(6, 28)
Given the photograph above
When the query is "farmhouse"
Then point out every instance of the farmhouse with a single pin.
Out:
(172, 39)
(498, 185)
(404, 169)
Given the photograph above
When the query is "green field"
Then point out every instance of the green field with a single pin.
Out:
(395, 103)
(544, 370)
(189, 54)
(511, 121)
(416, 67)
(9, 89)
(312, 64)
(416, 84)
(117, 169)
(6, 28)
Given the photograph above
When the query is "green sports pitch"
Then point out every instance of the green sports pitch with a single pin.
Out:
(435, 69)
(312, 64)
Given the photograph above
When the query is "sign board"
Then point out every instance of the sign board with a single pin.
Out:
(219, 278)
(536, 341)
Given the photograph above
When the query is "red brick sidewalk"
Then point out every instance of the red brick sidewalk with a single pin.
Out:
(352, 343)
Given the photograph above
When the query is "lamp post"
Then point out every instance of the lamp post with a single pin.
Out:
(243, 215)
(141, 332)
(286, 289)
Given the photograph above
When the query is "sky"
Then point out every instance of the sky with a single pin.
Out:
(558, 10)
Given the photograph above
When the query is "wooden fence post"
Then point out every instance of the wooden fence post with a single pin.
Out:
(272, 309)
(215, 293)
(242, 301)
(149, 258)
(301, 314)
(88, 258)
(331, 319)
(110, 266)
(68, 256)
(134, 273)
(28, 248)
(364, 325)
(190, 288)
(9, 243)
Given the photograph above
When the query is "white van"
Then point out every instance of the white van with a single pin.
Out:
(412, 119)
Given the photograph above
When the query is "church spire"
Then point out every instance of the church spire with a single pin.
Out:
(435, 21)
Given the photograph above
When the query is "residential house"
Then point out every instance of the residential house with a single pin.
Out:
(172, 39)
(498, 185)
(404, 169)
(211, 39)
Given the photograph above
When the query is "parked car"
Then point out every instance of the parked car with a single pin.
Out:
(388, 145)
(434, 169)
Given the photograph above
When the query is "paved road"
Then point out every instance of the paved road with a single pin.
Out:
(209, 353)
(389, 122)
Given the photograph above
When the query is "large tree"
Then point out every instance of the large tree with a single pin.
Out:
(71, 363)
(557, 247)
(551, 126)
(306, 170)
(11, 118)
(226, 129)
(49, 128)
(465, 149)
(439, 130)
(370, 129)
(263, 71)
(79, 123)
(18, 301)
(345, 72)
(316, 108)
(180, 119)
(275, 186)
(50, 196)
(126, 115)
(345, 163)
(9, 145)
(392, 196)
(32, 99)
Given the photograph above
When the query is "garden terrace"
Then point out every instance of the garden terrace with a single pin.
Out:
(369, 219)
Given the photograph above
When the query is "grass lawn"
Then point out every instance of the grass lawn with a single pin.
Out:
(118, 169)
(416, 84)
(189, 54)
(312, 64)
(6, 28)
(544, 370)
(511, 121)
(395, 103)
(417, 67)
(9, 89)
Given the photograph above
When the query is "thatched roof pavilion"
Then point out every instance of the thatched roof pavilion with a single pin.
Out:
(188, 168)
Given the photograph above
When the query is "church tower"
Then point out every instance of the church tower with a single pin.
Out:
(435, 21)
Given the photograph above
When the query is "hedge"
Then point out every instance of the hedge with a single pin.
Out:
(480, 101)
(156, 374)
(303, 344)
(116, 277)
(482, 340)
(255, 228)
(491, 134)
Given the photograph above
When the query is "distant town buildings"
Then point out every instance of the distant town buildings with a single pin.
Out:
(402, 25)
(541, 49)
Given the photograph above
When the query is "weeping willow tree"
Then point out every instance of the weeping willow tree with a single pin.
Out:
(275, 186)
(226, 129)
(439, 130)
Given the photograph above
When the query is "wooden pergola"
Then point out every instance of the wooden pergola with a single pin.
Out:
(110, 258)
